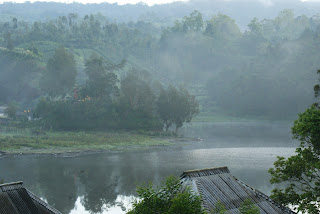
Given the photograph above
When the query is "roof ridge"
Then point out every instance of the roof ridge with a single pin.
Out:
(42, 203)
(11, 183)
(268, 198)
(209, 171)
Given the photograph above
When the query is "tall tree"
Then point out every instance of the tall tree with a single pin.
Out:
(301, 173)
(176, 107)
(137, 94)
(222, 28)
(194, 22)
(15, 22)
(102, 81)
(163, 103)
(59, 77)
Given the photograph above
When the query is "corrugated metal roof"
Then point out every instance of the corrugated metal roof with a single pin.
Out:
(15, 199)
(217, 185)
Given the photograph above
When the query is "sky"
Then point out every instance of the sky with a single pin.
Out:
(121, 2)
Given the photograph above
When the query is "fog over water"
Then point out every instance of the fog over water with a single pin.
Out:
(103, 182)
(109, 78)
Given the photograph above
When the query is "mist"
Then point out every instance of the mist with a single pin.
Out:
(97, 98)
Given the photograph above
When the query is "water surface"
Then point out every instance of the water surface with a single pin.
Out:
(106, 182)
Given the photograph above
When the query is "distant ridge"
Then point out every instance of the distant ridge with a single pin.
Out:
(241, 11)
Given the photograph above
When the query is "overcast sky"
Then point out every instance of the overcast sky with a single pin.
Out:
(149, 2)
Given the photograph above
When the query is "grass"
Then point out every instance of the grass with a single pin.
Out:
(53, 142)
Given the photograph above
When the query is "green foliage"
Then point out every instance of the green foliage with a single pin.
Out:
(18, 76)
(85, 114)
(194, 22)
(307, 129)
(255, 27)
(176, 106)
(316, 88)
(8, 41)
(301, 171)
(15, 140)
(222, 28)
(11, 110)
(166, 198)
(137, 94)
(247, 207)
(220, 208)
(59, 77)
(101, 82)
(255, 73)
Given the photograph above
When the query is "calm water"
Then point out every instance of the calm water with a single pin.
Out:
(105, 183)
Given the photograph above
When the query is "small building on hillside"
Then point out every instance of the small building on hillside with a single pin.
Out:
(15, 199)
(218, 187)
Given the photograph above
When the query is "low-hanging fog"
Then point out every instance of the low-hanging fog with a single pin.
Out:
(262, 66)
(80, 79)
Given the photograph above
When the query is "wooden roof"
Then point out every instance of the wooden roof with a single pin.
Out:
(217, 185)
(15, 199)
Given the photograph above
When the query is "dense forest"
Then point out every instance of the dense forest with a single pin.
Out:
(262, 71)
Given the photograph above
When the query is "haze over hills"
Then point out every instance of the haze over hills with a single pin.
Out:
(241, 10)
(234, 64)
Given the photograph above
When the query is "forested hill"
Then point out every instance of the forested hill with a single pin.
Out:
(240, 10)
(265, 71)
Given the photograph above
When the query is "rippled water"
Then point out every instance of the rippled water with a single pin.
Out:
(105, 183)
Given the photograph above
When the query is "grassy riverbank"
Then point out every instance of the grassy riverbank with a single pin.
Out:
(53, 142)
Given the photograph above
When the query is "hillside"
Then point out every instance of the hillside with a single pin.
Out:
(264, 71)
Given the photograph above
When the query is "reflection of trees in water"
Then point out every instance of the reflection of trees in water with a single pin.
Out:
(57, 184)
(45, 177)
(107, 176)
(97, 179)
(99, 188)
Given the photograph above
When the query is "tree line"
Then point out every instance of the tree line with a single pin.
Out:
(105, 102)
(262, 71)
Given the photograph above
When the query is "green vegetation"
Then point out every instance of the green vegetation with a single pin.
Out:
(247, 207)
(60, 76)
(170, 198)
(175, 107)
(11, 110)
(260, 72)
(220, 208)
(166, 198)
(300, 173)
(118, 76)
(50, 142)
(102, 104)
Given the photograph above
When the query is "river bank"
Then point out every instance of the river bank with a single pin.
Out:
(72, 142)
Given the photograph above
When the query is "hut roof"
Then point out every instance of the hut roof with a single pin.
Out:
(217, 185)
(15, 199)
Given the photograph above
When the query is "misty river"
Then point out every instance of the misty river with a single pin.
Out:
(106, 182)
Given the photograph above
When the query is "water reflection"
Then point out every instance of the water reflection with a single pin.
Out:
(118, 208)
(99, 183)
